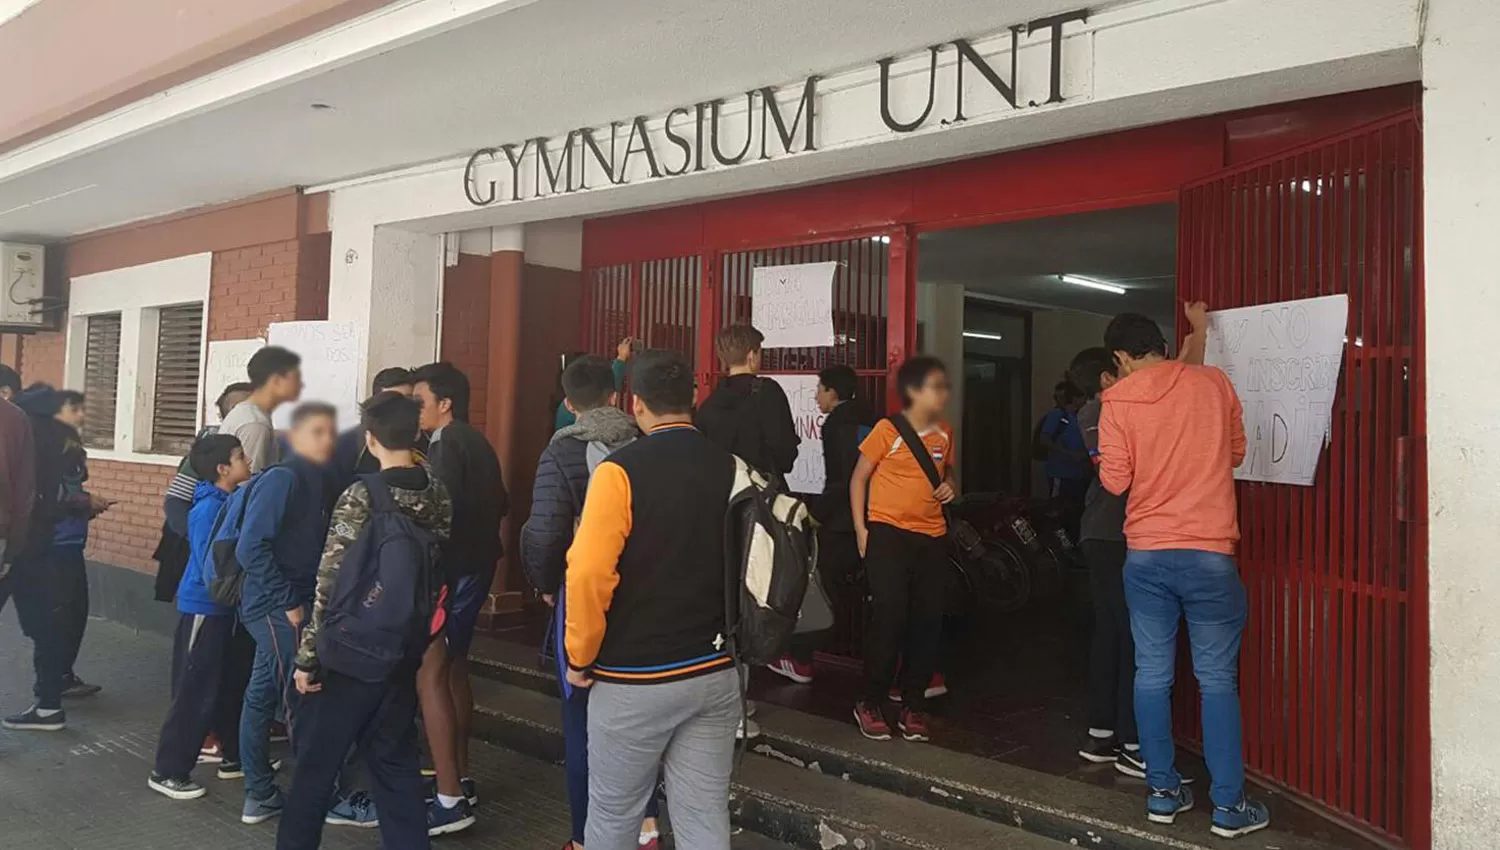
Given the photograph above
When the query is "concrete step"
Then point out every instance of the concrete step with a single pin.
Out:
(1049, 806)
(778, 801)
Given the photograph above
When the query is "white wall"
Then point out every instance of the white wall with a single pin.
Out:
(1461, 170)
(940, 309)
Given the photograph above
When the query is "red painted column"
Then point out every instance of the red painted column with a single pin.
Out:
(507, 271)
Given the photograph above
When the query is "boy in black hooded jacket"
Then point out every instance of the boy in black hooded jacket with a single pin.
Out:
(747, 414)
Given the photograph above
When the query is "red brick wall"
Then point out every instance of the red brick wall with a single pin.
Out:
(250, 288)
(126, 534)
(42, 358)
(466, 328)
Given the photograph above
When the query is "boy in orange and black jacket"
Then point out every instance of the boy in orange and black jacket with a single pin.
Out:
(646, 620)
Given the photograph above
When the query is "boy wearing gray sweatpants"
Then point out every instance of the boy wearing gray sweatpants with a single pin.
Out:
(645, 621)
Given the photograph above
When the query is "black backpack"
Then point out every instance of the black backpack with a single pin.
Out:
(772, 545)
(379, 614)
(222, 573)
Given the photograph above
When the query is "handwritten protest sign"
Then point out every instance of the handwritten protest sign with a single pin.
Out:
(226, 364)
(802, 393)
(1284, 360)
(330, 366)
(793, 305)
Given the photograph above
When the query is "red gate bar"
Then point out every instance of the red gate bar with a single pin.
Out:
(1333, 673)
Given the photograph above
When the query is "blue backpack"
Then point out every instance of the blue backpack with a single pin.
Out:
(379, 614)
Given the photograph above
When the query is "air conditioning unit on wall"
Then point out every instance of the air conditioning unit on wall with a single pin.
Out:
(22, 287)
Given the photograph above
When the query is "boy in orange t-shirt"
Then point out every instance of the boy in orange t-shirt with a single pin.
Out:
(902, 536)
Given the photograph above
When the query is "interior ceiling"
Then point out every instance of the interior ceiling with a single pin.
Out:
(536, 70)
(1134, 248)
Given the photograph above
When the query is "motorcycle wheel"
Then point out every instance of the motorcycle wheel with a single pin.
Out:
(1000, 580)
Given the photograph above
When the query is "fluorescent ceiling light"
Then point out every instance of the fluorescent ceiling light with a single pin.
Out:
(978, 335)
(1091, 283)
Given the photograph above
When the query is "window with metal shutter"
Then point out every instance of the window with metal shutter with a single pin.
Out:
(178, 356)
(101, 371)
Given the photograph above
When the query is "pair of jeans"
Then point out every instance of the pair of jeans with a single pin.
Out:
(379, 720)
(575, 710)
(1112, 652)
(267, 696)
(210, 666)
(907, 573)
(71, 582)
(31, 583)
(1163, 587)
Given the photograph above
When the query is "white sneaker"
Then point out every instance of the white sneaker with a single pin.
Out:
(747, 730)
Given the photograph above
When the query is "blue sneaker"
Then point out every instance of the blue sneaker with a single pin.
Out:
(1249, 816)
(356, 810)
(442, 820)
(1164, 806)
(260, 811)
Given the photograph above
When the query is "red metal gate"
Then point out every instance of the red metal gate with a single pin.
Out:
(1334, 666)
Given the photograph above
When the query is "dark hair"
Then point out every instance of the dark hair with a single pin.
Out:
(841, 379)
(446, 382)
(67, 397)
(735, 342)
(269, 362)
(913, 374)
(308, 409)
(209, 453)
(663, 381)
(1135, 335)
(1088, 368)
(392, 419)
(236, 387)
(9, 379)
(392, 377)
(588, 382)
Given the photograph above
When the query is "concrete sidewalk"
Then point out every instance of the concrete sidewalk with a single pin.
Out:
(85, 787)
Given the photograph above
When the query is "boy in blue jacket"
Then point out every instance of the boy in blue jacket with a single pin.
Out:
(204, 693)
(281, 538)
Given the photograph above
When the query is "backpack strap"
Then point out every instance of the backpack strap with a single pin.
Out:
(381, 500)
(918, 449)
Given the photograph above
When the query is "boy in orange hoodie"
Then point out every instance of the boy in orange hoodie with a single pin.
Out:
(1172, 434)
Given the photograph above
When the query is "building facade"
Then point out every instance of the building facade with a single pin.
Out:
(501, 182)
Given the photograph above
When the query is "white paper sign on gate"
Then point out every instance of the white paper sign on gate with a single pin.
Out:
(226, 364)
(1284, 360)
(802, 393)
(330, 366)
(793, 305)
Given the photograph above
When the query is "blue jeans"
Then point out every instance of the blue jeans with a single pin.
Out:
(266, 697)
(1162, 588)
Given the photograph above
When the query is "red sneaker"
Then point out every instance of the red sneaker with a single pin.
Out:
(913, 725)
(937, 687)
(789, 668)
(871, 722)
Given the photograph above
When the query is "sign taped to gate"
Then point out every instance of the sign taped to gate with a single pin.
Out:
(1284, 359)
(330, 366)
(802, 394)
(793, 305)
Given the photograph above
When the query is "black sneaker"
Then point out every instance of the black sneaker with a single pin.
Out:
(75, 688)
(471, 791)
(1099, 750)
(1129, 762)
(31, 720)
(177, 789)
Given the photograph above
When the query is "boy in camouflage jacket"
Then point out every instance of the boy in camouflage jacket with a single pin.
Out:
(339, 712)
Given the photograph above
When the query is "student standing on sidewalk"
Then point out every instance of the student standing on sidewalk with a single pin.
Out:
(468, 467)
(747, 414)
(557, 497)
(208, 680)
(286, 520)
(1172, 434)
(838, 552)
(68, 540)
(646, 621)
(375, 713)
(623, 352)
(902, 535)
(17, 475)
